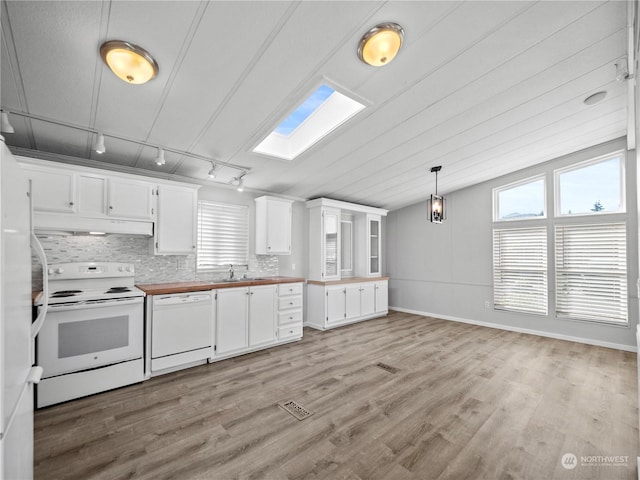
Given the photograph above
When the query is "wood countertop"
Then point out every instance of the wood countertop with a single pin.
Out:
(199, 286)
(347, 280)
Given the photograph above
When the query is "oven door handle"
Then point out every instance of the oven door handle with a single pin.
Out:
(61, 307)
(42, 313)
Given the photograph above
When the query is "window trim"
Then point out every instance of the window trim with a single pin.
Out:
(509, 186)
(557, 197)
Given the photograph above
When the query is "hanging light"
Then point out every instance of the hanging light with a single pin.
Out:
(98, 145)
(212, 172)
(130, 63)
(436, 202)
(5, 126)
(381, 44)
(160, 157)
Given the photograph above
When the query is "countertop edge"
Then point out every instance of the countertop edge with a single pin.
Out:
(200, 286)
(345, 281)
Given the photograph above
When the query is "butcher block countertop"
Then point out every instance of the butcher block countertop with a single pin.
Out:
(199, 286)
(348, 280)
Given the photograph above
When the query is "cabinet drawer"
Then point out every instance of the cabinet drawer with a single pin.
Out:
(285, 289)
(288, 303)
(294, 331)
(294, 316)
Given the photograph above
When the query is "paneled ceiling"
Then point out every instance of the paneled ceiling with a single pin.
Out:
(481, 88)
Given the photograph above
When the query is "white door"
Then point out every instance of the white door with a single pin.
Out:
(130, 199)
(176, 224)
(335, 305)
(278, 227)
(262, 315)
(352, 300)
(382, 297)
(367, 299)
(52, 191)
(232, 320)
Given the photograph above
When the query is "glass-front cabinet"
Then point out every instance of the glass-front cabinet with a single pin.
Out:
(374, 239)
(331, 244)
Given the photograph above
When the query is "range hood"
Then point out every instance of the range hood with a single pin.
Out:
(60, 224)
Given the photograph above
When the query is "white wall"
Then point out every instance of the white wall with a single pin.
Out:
(445, 269)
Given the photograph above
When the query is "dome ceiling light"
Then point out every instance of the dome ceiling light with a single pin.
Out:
(130, 63)
(381, 44)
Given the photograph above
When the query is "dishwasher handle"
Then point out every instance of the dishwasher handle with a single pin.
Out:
(181, 299)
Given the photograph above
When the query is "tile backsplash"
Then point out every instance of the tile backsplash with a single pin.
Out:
(149, 268)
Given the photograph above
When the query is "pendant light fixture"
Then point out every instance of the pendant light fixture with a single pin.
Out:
(130, 63)
(160, 157)
(436, 202)
(381, 44)
(98, 145)
(5, 126)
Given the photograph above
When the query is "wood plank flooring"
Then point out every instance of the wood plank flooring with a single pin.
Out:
(465, 402)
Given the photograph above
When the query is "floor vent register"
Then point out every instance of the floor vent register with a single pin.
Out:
(295, 409)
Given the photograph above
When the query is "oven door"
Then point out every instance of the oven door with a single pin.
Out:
(82, 336)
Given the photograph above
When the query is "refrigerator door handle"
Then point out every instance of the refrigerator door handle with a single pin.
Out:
(39, 321)
(34, 376)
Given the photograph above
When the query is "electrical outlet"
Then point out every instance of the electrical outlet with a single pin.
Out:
(487, 304)
(181, 264)
(293, 266)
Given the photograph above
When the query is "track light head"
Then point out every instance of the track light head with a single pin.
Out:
(5, 126)
(98, 145)
(240, 186)
(160, 157)
(212, 172)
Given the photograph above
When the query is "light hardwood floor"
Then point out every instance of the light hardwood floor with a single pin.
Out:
(466, 402)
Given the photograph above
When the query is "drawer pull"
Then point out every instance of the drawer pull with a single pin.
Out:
(290, 318)
(290, 303)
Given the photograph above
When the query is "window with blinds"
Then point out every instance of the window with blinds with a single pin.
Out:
(520, 269)
(223, 235)
(591, 272)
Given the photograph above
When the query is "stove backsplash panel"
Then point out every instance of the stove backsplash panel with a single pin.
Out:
(149, 268)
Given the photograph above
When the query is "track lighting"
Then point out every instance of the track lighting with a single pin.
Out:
(240, 187)
(622, 70)
(212, 172)
(6, 127)
(160, 157)
(98, 145)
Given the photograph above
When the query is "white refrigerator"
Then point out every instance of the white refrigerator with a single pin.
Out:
(17, 374)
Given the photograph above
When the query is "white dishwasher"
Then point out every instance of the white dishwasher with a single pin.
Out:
(181, 329)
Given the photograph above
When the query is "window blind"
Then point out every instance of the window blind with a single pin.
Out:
(223, 235)
(520, 269)
(591, 272)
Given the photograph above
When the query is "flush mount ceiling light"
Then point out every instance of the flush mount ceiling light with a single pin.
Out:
(381, 44)
(595, 98)
(436, 202)
(130, 63)
(98, 145)
(5, 126)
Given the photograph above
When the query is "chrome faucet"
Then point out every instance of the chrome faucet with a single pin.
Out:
(231, 272)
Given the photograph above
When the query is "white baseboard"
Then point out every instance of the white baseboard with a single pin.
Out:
(541, 333)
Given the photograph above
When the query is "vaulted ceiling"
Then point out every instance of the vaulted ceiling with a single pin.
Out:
(481, 88)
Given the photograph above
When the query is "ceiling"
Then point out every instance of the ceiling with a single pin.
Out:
(481, 88)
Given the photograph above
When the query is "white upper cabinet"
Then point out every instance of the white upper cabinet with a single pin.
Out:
(92, 195)
(52, 191)
(175, 232)
(273, 226)
(361, 227)
(130, 199)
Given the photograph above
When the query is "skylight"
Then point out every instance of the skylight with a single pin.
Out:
(323, 111)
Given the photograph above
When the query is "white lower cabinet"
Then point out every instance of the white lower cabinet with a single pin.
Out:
(257, 317)
(339, 304)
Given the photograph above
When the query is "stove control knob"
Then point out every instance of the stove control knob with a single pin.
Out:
(121, 269)
(58, 270)
(50, 271)
(128, 268)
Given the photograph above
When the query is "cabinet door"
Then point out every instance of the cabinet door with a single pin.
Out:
(232, 320)
(382, 297)
(92, 195)
(374, 246)
(352, 301)
(130, 199)
(367, 299)
(331, 244)
(335, 304)
(53, 191)
(278, 227)
(262, 315)
(176, 223)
